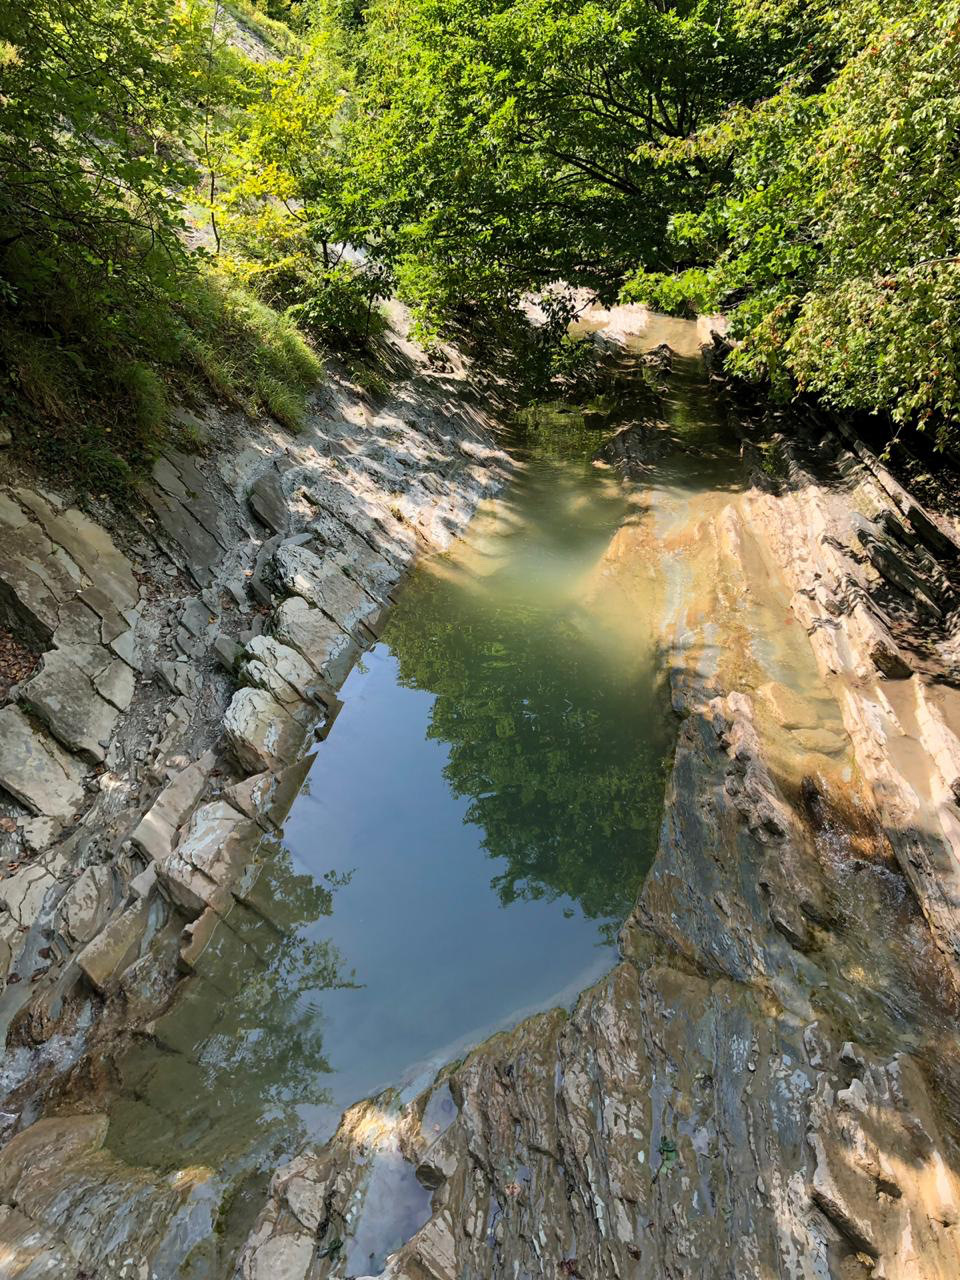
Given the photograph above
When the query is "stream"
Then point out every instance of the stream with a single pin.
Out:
(473, 831)
(619, 758)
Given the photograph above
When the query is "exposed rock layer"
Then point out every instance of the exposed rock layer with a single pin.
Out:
(137, 780)
(768, 1082)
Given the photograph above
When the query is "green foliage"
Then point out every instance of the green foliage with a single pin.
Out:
(93, 100)
(254, 357)
(269, 20)
(835, 246)
(794, 165)
(282, 204)
(335, 304)
(499, 147)
(104, 113)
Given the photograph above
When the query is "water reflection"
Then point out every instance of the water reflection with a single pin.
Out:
(475, 829)
(555, 723)
(241, 1049)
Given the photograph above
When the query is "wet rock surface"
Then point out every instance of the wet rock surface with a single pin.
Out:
(768, 1083)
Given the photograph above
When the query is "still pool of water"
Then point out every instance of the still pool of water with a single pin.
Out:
(491, 788)
(472, 833)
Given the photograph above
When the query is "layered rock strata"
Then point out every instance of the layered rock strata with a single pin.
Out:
(182, 668)
(769, 1082)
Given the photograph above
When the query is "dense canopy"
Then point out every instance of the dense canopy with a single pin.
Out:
(200, 194)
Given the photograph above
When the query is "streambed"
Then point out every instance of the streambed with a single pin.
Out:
(764, 1084)
(474, 829)
(471, 835)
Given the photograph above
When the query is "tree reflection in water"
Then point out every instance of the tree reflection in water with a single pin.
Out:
(241, 1048)
(558, 744)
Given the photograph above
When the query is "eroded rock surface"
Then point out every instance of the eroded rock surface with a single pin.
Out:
(170, 677)
(769, 1082)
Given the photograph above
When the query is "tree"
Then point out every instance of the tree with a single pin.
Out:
(95, 100)
(836, 247)
(499, 147)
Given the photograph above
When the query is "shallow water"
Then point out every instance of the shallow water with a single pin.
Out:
(481, 817)
(478, 822)
(472, 833)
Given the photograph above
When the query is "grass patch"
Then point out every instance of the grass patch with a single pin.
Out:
(252, 356)
(89, 395)
(272, 32)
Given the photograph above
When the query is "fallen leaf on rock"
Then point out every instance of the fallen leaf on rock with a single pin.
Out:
(8, 824)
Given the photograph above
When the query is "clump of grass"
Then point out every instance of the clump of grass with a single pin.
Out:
(77, 403)
(274, 33)
(39, 369)
(148, 397)
(251, 355)
(282, 402)
(373, 382)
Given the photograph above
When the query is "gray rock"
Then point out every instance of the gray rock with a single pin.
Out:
(64, 697)
(40, 833)
(227, 652)
(90, 546)
(35, 770)
(321, 578)
(268, 664)
(78, 625)
(112, 623)
(210, 858)
(141, 886)
(268, 797)
(376, 573)
(889, 661)
(260, 733)
(156, 832)
(83, 1211)
(117, 684)
(87, 903)
(328, 649)
(125, 647)
(104, 959)
(196, 617)
(268, 503)
(191, 544)
(35, 581)
(22, 893)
